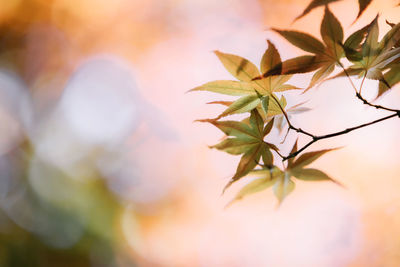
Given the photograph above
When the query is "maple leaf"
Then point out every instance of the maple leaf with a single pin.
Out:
(254, 93)
(282, 181)
(326, 54)
(371, 58)
(246, 140)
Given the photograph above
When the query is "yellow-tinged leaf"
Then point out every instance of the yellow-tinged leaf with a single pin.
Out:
(225, 87)
(239, 67)
(283, 187)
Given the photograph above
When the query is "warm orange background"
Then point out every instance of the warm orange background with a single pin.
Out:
(174, 214)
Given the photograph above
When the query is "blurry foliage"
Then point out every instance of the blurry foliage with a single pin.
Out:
(368, 57)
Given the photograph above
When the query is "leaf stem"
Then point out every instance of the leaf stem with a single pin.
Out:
(320, 137)
(288, 121)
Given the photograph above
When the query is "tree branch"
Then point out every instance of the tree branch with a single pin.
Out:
(317, 138)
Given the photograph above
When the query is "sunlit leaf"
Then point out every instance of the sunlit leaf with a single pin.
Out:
(239, 67)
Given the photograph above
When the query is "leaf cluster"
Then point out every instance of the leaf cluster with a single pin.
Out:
(259, 92)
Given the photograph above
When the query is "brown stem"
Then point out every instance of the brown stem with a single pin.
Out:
(317, 138)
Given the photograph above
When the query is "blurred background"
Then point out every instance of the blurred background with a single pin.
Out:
(102, 165)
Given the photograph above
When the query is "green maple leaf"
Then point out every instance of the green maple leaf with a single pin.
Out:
(371, 58)
(246, 140)
(325, 55)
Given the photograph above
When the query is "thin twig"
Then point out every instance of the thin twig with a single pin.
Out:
(317, 138)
